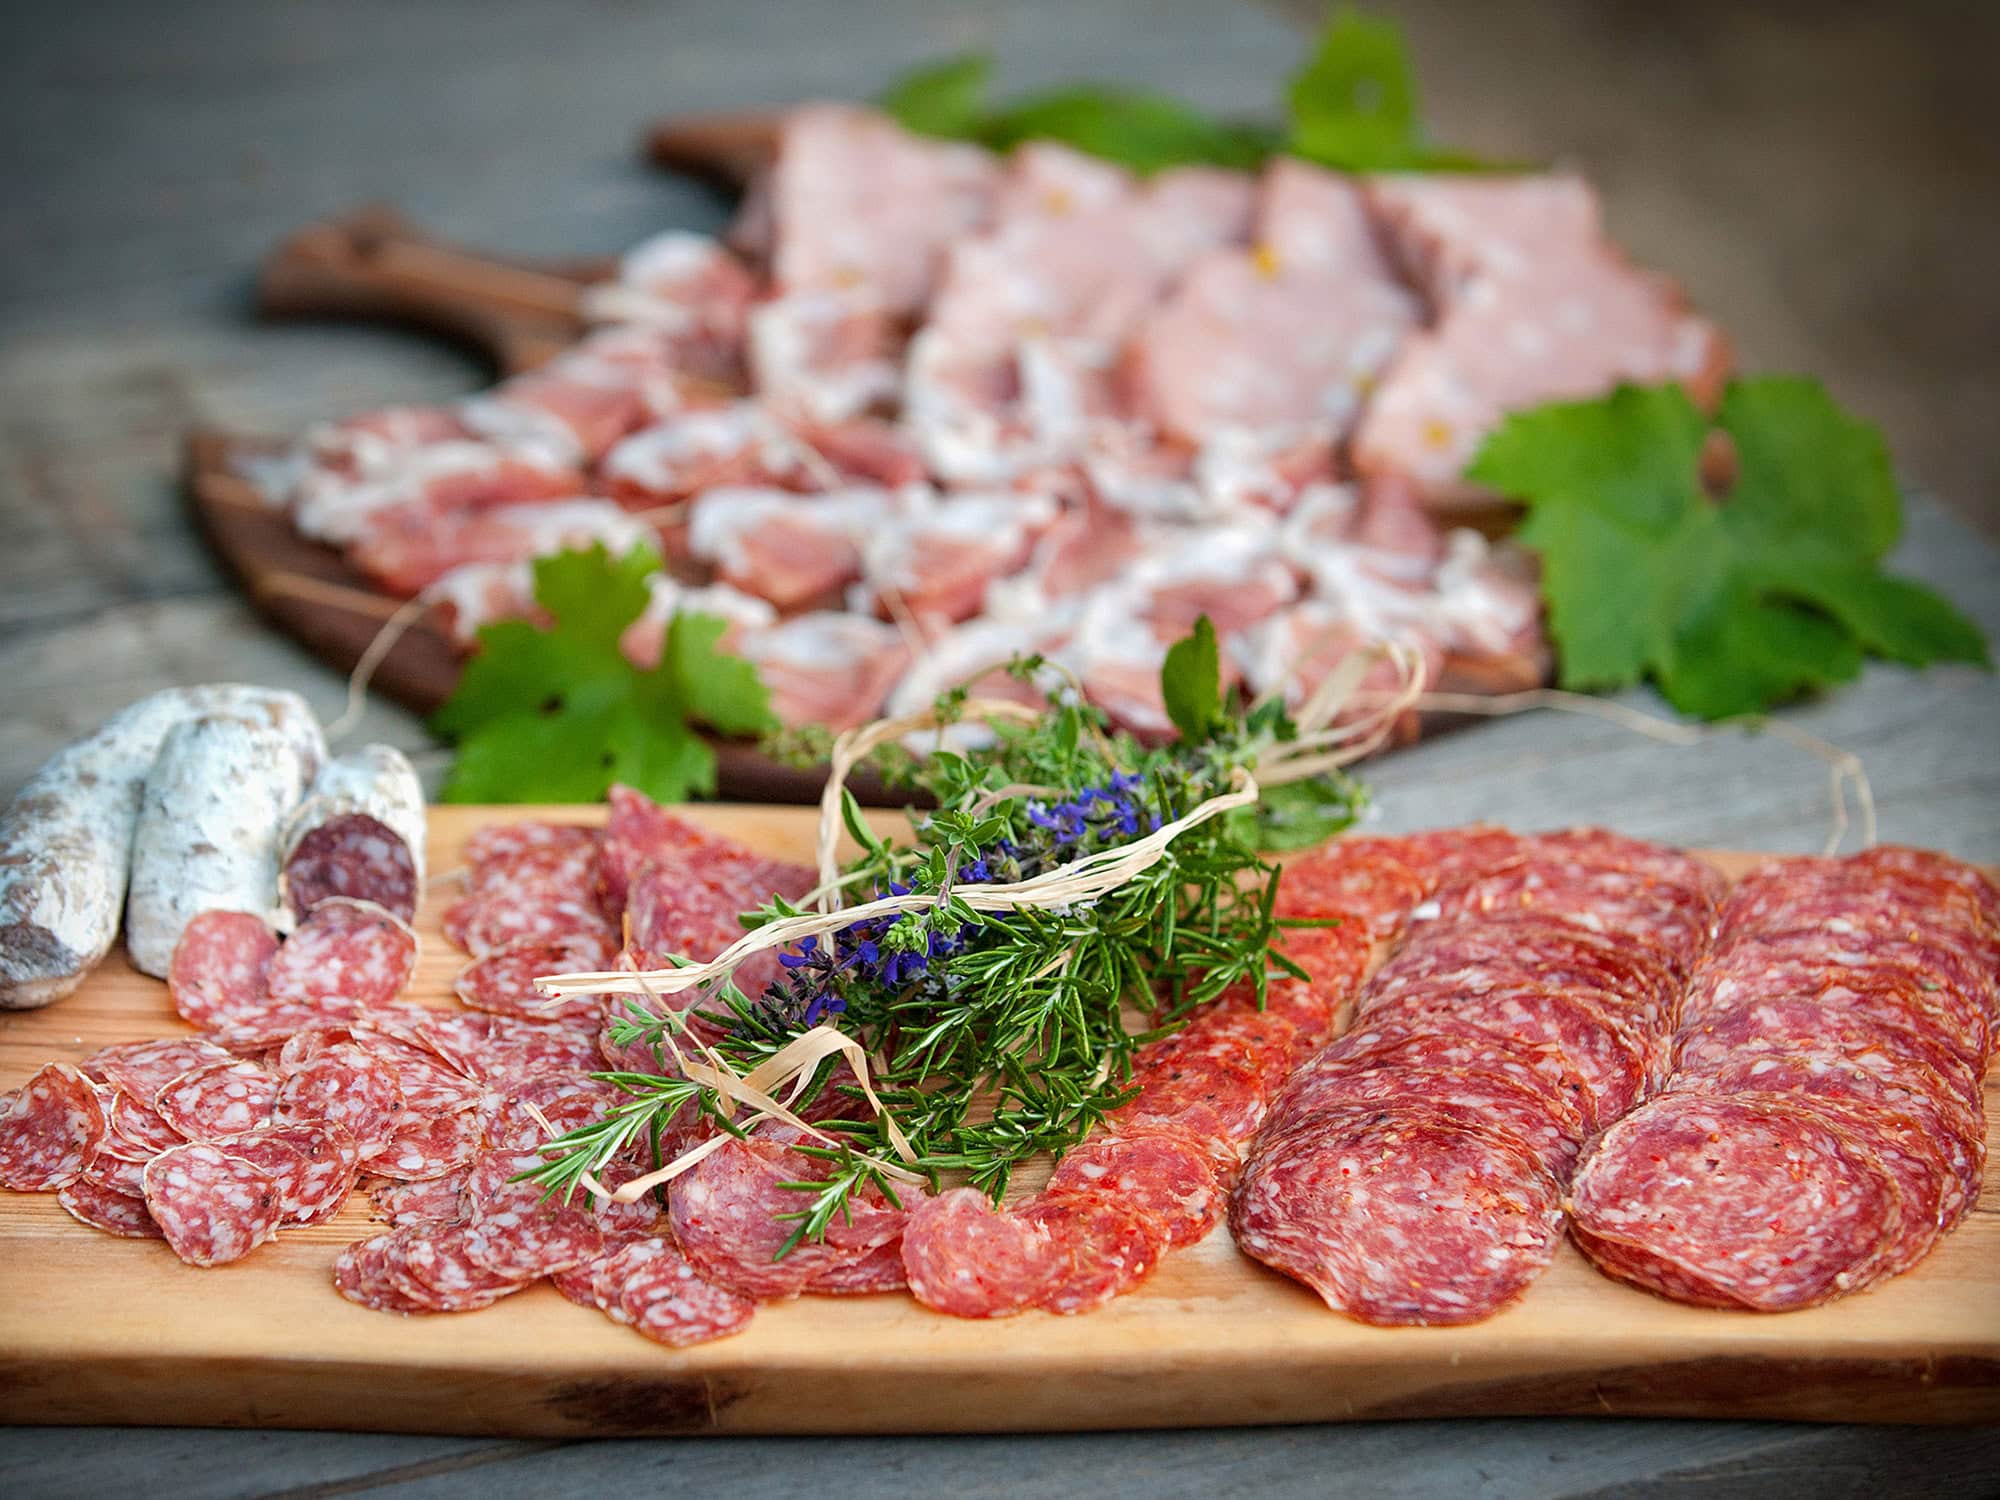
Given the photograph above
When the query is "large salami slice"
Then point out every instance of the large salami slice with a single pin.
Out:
(1735, 1203)
(142, 1069)
(48, 1129)
(440, 1269)
(1633, 906)
(349, 1088)
(218, 1100)
(428, 1145)
(1400, 1216)
(964, 1258)
(212, 1207)
(220, 972)
(345, 957)
(498, 840)
(503, 982)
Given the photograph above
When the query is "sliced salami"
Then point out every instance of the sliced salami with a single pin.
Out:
(1399, 1216)
(658, 1293)
(277, 1158)
(879, 1270)
(1735, 1203)
(349, 1088)
(519, 1232)
(439, 1260)
(1257, 1042)
(1363, 878)
(329, 1164)
(1600, 846)
(503, 982)
(118, 1174)
(531, 914)
(346, 956)
(433, 1200)
(428, 1145)
(220, 973)
(1166, 1179)
(498, 840)
(733, 1216)
(501, 1050)
(49, 1128)
(1931, 866)
(365, 1273)
(1172, 1086)
(1632, 907)
(219, 1100)
(136, 1130)
(1108, 1247)
(965, 1259)
(105, 1208)
(142, 1069)
(1446, 856)
(212, 1208)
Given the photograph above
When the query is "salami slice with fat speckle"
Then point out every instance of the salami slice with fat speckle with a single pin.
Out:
(219, 1100)
(966, 1259)
(220, 973)
(49, 1127)
(122, 1214)
(346, 956)
(212, 1208)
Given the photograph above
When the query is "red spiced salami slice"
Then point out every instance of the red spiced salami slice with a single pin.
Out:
(1834, 1036)
(346, 956)
(518, 1228)
(117, 1174)
(1242, 1037)
(1171, 1086)
(122, 1214)
(49, 1128)
(348, 1087)
(1629, 906)
(565, 1099)
(660, 1294)
(1167, 1179)
(1522, 1110)
(1733, 1203)
(1446, 856)
(212, 1208)
(1933, 959)
(135, 1131)
(1363, 878)
(220, 972)
(1617, 851)
(1398, 1216)
(965, 1259)
(277, 1158)
(503, 982)
(1930, 866)
(1505, 951)
(1616, 1063)
(880, 1270)
(1842, 899)
(219, 1100)
(1109, 1246)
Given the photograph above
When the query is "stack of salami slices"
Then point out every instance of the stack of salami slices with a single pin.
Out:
(1823, 1124)
(1413, 1171)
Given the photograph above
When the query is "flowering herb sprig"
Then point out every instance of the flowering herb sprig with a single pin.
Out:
(995, 1035)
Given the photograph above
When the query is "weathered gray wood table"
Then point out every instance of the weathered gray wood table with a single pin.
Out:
(152, 153)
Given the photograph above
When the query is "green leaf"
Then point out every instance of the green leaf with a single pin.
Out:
(1300, 814)
(1137, 128)
(1731, 604)
(1354, 103)
(1191, 682)
(945, 98)
(558, 714)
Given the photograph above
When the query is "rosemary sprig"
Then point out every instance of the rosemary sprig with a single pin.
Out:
(994, 1036)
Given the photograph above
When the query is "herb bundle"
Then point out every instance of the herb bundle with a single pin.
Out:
(1074, 895)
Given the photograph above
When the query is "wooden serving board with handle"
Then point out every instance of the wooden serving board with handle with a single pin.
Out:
(101, 1330)
(373, 265)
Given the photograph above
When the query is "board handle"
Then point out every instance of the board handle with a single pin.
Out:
(725, 150)
(373, 264)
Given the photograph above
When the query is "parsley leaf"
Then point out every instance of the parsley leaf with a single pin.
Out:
(558, 714)
(1136, 128)
(1191, 682)
(1730, 605)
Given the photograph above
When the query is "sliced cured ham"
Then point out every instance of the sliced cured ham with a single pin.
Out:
(937, 565)
(792, 550)
(687, 287)
(431, 480)
(827, 667)
(407, 550)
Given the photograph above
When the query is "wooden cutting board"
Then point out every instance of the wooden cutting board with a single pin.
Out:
(101, 1330)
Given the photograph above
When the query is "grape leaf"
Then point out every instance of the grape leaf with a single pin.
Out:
(945, 98)
(1191, 682)
(1734, 604)
(1353, 105)
(557, 714)
(1138, 129)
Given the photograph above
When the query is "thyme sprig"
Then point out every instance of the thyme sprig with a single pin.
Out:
(994, 1035)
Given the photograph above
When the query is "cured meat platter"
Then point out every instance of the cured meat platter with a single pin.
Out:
(94, 1329)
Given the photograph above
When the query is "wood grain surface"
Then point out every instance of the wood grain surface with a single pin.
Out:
(96, 1329)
